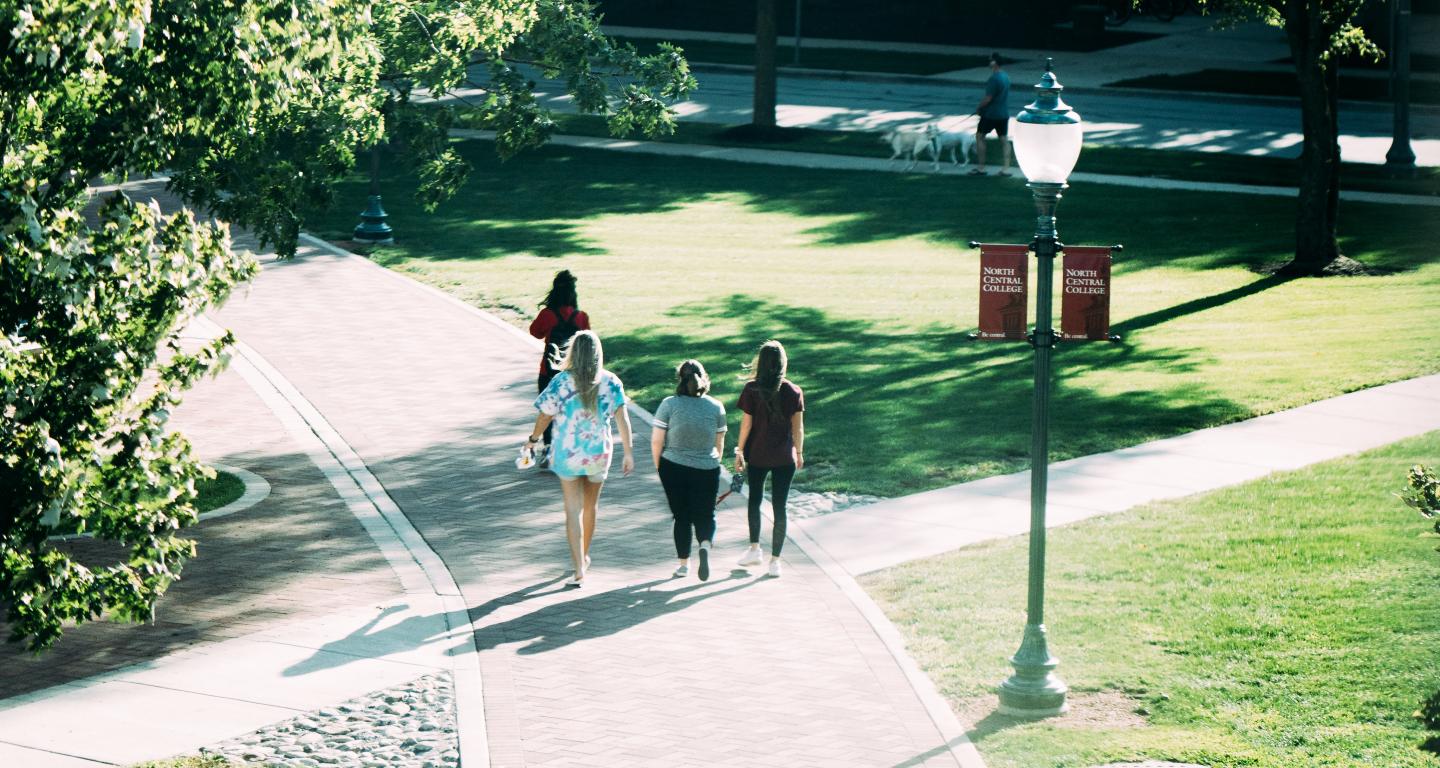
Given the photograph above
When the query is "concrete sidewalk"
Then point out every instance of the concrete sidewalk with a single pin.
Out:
(939, 521)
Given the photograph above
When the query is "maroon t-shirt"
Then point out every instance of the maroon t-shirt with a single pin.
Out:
(770, 443)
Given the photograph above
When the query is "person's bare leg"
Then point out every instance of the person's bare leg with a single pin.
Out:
(979, 150)
(592, 504)
(574, 491)
(1005, 146)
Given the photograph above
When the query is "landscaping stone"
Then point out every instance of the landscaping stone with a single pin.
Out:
(803, 505)
(378, 729)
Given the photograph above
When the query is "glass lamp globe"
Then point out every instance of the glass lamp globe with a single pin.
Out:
(1047, 134)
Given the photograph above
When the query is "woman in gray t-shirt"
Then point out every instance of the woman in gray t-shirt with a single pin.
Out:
(687, 442)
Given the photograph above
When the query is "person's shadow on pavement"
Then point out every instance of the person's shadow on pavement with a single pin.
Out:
(407, 634)
(598, 615)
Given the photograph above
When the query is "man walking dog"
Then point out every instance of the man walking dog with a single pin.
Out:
(994, 112)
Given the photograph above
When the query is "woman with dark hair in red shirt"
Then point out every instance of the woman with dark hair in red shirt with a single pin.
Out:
(559, 319)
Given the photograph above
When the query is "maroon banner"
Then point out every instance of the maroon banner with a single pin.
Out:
(1085, 293)
(1003, 291)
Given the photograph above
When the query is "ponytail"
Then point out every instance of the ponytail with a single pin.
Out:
(691, 379)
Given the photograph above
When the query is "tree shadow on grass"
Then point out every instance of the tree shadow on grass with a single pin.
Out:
(932, 407)
(538, 203)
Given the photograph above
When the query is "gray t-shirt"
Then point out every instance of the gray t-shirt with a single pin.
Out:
(691, 424)
(998, 89)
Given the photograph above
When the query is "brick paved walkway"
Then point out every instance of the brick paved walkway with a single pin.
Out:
(634, 669)
(297, 554)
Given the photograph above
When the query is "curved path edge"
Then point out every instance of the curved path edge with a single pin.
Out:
(943, 717)
(423, 574)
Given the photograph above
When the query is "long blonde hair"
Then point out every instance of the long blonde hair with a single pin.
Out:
(583, 358)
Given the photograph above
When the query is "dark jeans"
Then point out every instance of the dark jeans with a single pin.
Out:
(691, 493)
(779, 491)
(544, 381)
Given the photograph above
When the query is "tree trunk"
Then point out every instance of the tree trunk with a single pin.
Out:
(763, 113)
(1315, 223)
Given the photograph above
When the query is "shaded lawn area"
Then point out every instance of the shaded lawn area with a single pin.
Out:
(212, 495)
(1124, 161)
(1289, 621)
(866, 279)
(1250, 83)
(218, 492)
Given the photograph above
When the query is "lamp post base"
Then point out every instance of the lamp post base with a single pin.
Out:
(372, 228)
(1034, 690)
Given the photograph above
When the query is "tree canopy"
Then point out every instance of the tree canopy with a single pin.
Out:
(254, 108)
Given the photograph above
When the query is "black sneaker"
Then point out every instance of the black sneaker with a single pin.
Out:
(704, 563)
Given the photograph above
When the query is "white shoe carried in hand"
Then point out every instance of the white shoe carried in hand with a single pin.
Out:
(774, 567)
(752, 557)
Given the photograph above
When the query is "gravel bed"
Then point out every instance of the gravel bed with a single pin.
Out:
(803, 505)
(407, 726)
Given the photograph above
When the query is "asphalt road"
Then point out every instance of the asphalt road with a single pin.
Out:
(1114, 118)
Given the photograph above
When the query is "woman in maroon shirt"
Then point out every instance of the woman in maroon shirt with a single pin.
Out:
(560, 317)
(772, 442)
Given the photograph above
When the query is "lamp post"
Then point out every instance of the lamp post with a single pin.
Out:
(1400, 160)
(372, 227)
(1047, 144)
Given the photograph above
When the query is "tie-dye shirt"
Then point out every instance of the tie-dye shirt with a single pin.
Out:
(582, 444)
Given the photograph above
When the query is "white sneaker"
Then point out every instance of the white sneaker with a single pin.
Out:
(752, 557)
(587, 562)
(704, 564)
(683, 570)
(774, 567)
(575, 581)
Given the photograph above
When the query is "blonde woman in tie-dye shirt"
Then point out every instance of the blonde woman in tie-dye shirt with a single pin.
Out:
(582, 401)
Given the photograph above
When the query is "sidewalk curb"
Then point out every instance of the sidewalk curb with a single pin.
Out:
(423, 575)
(959, 746)
(957, 743)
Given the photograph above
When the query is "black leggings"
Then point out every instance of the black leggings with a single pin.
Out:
(691, 493)
(544, 381)
(779, 490)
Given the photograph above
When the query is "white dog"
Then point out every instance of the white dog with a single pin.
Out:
(962, 141)
(911, 140)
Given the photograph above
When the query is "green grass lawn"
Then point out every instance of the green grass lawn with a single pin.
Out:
(1249, 83)
(1124, 161)
(866, 279)
(1286, 622)
(214, 494)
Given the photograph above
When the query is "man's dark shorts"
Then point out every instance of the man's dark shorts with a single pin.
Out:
(1000, 127)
